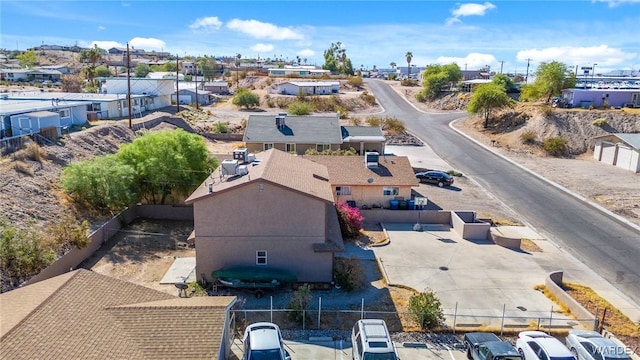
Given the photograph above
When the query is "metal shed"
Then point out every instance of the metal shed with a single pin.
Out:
(33, 122)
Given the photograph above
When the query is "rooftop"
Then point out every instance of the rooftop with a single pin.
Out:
(298, 129)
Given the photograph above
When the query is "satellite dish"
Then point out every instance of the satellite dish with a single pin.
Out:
(370, 180)
(181, 286)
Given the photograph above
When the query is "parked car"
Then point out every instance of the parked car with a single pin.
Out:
(537, 345)
(488, 346)
(263, 341)
(439, 178)
(590, 345)
(371, 341)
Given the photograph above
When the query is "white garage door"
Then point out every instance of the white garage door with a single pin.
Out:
(624, 157)
(608, 152)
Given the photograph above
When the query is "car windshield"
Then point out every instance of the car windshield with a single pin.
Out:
(272, 354)
(379, 356)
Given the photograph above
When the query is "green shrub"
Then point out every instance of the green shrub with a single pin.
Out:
(600, 122)
(68, 230)
(555, 146)
(342, 112)
(299, 108)
(300, 303)
(421, 97)
(426, 310)
(409, 82)
(455, 173)
(373, 121)
(393, 125)
(220, 128)
(529, 137)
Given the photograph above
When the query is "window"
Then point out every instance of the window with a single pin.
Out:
(64, 113)
(390, 191)
(323, 147)
(261, 257)
(267, 146)
(343, 190)
(290, 148)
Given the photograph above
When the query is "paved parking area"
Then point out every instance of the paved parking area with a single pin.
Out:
(479, 278)
(341, 350)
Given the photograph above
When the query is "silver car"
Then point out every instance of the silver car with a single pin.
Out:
(590, 345)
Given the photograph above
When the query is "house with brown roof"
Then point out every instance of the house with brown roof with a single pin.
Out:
(370, 180)
(275, 211)
(86, 315)
(297, 134)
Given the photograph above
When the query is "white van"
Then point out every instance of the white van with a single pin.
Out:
(371, 341)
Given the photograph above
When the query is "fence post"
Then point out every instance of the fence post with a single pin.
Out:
(504, 308)
(271, 308)
(455, 315)
(550, 320)
(362, 310)
(319, 307)
(538, 324)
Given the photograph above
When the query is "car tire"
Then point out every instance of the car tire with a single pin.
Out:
(440, 184)
(469, 354)
(575, 353)
(521, 353)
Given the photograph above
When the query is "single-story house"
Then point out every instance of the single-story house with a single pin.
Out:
(64, 69)
(160, 90)
(276, 211)
(16, 75)
(19, 75)
(217, 87)
(619, 149)
(309, 87)
(29, 116)
(585, 98)
(297, 134)
(188, 96)
(86, 315)
(164, 75)
(372, 179)
(301, 71)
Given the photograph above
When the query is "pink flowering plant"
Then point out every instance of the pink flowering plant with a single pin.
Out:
(350, 220)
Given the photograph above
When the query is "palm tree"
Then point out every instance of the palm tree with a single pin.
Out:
(238, 57)
(393, 64)
(409, 56)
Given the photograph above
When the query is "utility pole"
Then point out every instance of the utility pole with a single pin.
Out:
(177, 81)
(501, 65)
(129, 85)
(195, 65)
(526, 77)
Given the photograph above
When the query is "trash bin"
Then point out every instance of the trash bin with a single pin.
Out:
(411, 205)
(403, 205)
(393, 204)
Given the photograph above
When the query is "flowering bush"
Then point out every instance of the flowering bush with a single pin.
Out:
(350, 220)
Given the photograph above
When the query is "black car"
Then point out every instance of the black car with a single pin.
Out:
(435, 177)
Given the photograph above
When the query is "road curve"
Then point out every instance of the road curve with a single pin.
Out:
(610, 248)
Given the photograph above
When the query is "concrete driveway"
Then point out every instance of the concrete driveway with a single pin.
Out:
(480, 278)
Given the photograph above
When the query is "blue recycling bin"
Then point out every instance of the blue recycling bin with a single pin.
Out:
(393, 204)
(411, 205)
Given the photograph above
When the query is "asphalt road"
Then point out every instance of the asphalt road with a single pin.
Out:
(607, 246)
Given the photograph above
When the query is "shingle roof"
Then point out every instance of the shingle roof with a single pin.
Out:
(351, 170)
(84, 315)
(361, 131)
(298, 130)
(278, 167)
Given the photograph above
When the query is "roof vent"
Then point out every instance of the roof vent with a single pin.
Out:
(371, 160)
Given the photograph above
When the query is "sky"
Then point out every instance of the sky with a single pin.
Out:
(505, 34)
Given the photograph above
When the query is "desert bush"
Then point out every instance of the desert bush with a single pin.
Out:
(426, 309)
(34, 151)
(600, 122)
(355, 81)
(342, 112)
(69, 231)
(409, 82)
(300, 303)
(22, 167)
(350, 220)
(243, 123)
(421, 97)
(455, 173)
(299, 108)
(348, 274)
(373, 121)
(355, 121)
(220, 128)
(282, 103)
(529, 137)
(393, 125)
(547, 110)
(246, 98)
(555, 146)
(368, 98)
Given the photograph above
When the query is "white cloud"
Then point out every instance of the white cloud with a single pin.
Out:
(614, 3)
(471, 61)
(101, 28)
(602, 55)
(106, 45)
(469, 9)
(261, 48)
(209, 23)
(306, 53)
(147, 43)
(261, 30)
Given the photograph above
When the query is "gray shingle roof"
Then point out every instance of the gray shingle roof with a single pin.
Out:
(298, 130)
(86, 315)
(361, 131)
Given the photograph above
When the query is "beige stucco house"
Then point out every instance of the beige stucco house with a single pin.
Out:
(297, 134)
(279, 214)
(369, 182)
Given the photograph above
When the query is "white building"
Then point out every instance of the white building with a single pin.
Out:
(30, 116)
(309, 87)
(619, 149)
(301, 71)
